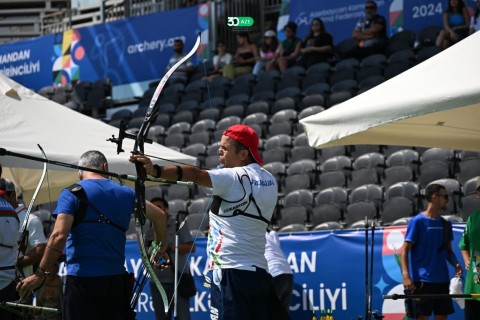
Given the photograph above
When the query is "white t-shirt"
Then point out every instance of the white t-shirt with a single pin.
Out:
(35, 233)
(277, 262)
(238, 241)
(224, 60)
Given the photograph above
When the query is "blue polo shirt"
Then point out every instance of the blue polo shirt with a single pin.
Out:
(97, 249)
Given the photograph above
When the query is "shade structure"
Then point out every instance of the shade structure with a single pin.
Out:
(434, 104)
(28, 119)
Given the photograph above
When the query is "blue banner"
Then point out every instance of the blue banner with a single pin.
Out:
(341, 16)
(126, 51)
(329, 273)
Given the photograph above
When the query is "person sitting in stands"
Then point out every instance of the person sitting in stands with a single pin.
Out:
(244, 59)
(184, 72)
(220, 60)
(455, 24)
(370, 32)
(317, 45)
(267, 51)
(288, 51)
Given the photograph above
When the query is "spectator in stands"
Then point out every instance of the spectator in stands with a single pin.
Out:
(244, 197)
(244, 59)
(184, 72)
(166, 276)
(288, 51)
(267, 51)
(456, 21)
(425, 253)
(220, 60)
(474, 20)
(370, 32)
(97, 284)
(279, 269)
(36, 238)
(317, 45)
(8, 251)
(470, 247)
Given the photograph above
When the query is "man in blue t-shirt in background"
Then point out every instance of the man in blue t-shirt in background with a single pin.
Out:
(425, 253)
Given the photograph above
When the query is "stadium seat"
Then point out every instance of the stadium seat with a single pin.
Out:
(198, 221)
(467, 169)
(295, 227)
(311, 100)
(359, 210)
(295, 214)
(200, 205)
(351, 64)
(325, 212)
(377, 60)
(427, 36)
(432, 170)
(396, 208)
(296, 182)
(302, 197)
(329, 225)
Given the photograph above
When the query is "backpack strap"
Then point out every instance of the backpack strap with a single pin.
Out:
(446, 240)
(78, 191)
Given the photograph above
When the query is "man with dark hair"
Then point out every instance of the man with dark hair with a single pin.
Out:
(425, 253)
(470, 246)
(166, 275)
(244, 197)
(92, 219)
(184, 72)
(370, 32)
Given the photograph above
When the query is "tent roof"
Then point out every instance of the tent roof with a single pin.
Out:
(434, 104)
(29, 119)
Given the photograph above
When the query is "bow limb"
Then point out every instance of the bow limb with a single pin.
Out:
(140, 207)
(22, 243)
(152, 111)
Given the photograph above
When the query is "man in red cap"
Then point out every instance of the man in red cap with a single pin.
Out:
(244, 197)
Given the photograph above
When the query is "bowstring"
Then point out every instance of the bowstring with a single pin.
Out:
(207, 208)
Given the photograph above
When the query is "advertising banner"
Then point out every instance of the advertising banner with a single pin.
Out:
(341, 16)
(126, 51)
(329, 273)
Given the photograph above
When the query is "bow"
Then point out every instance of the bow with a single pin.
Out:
(22, 243)
(140, 211)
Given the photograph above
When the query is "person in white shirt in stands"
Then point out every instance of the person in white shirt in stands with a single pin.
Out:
(220, 60)
(244, 197)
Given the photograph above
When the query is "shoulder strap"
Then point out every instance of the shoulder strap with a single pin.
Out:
(446, 240)
(79, 192)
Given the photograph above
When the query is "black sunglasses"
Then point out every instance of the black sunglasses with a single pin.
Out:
(370, 7)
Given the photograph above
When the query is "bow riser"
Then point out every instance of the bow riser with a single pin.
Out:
(140, 210)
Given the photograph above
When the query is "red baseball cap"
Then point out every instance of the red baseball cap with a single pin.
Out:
(247, 137)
